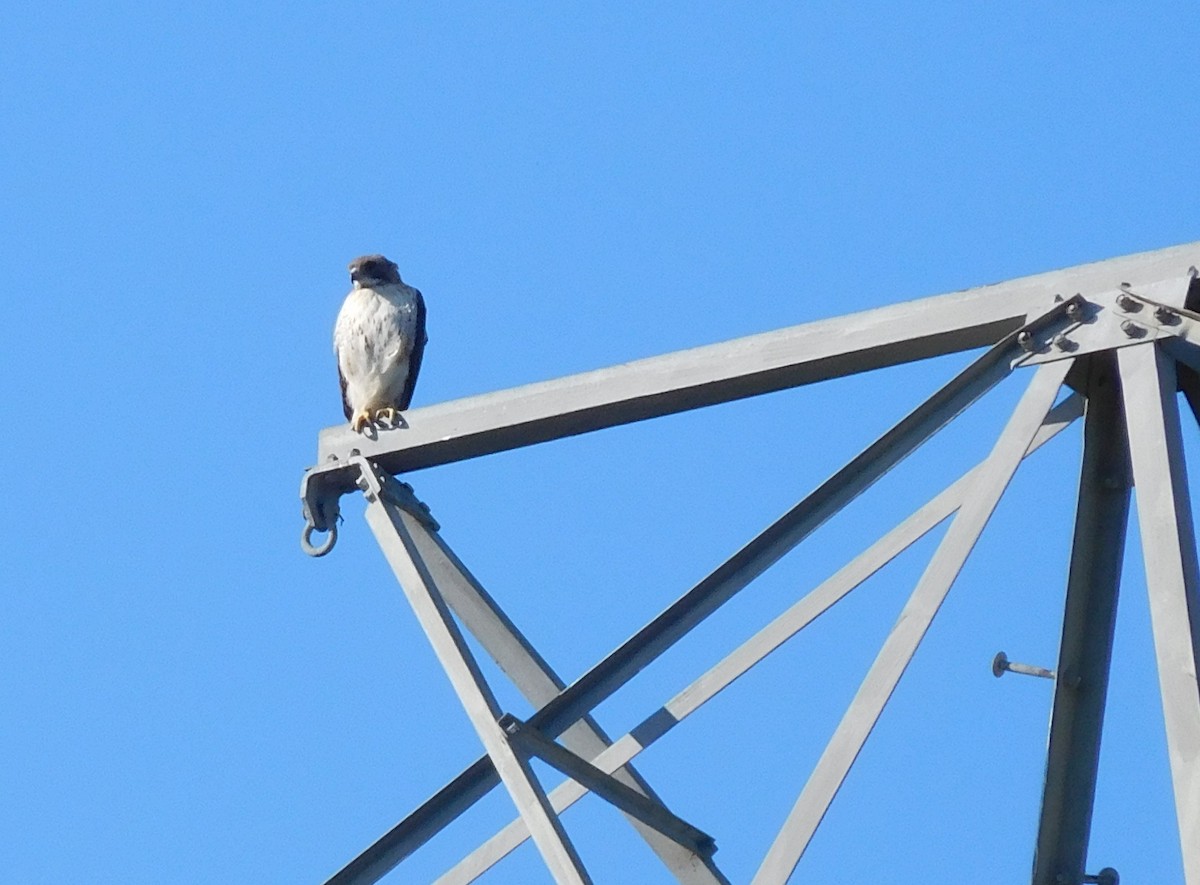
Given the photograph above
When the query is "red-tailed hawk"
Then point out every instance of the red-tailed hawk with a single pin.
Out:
(379, 339)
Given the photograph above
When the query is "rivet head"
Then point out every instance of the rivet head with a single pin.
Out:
(1025, 340)
(999, 664)
(1132, 329)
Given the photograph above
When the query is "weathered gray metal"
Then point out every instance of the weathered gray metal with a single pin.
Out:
(386, 516)
(529, 672)
(538, 682)
(893, 658)
(1089, 620)
(1169, 551)
(602, 784)
(757, 647)
(1001, 665)
(749, 366)
(1131, 313)
(735, 574)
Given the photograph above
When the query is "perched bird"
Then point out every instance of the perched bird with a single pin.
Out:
(379, 339)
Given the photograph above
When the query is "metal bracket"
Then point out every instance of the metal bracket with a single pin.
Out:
(402, 494)
(321, 490)
(1046, 333)
(322, 487)
(1119, 318)
(633, 803)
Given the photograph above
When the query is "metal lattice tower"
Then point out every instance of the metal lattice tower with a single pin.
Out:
(1123, 335)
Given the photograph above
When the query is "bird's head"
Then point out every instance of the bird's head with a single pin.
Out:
(373, 270)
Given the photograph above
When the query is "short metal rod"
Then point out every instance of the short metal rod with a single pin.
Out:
(1001, 665)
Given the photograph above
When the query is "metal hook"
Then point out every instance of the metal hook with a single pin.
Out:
(324, 547)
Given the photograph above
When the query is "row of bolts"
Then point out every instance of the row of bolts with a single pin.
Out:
(1125, 301)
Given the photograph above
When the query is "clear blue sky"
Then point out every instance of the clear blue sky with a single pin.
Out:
(188, 699)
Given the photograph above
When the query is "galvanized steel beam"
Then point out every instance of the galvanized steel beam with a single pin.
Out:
(693, 607)
(384, 517)
(604, 785)
(1189, 385)
(783, 535)
(756, 648)
(900, 645)
(1087, 633)
(539, 684)
(717, 373)
(804, 354)
(1172, 574)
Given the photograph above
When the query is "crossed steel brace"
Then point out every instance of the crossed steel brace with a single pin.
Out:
(1121, 334)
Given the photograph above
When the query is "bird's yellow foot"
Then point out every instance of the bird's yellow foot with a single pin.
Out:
(387, 415)
(361, 419)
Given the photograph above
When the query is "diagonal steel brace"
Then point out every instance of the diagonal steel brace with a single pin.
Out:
(630, 801)
(501, 639)
(752, 651)
(591, 689)
(386, 518)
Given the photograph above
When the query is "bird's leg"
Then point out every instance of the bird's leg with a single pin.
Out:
(389, 413)
(360, 420)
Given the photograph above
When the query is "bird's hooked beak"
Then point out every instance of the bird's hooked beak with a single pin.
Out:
(372, 270)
